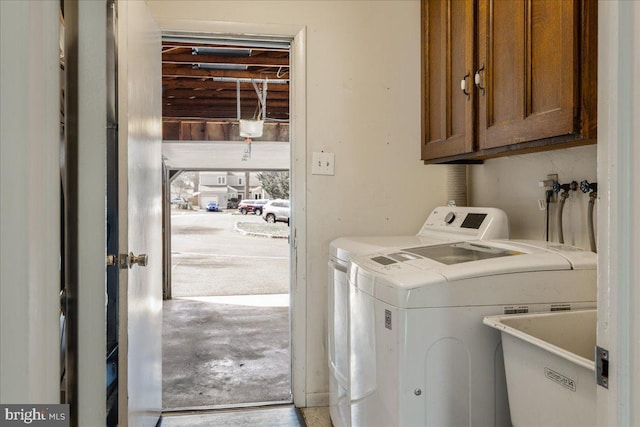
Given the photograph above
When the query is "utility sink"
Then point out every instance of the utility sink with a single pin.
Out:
(549, 364)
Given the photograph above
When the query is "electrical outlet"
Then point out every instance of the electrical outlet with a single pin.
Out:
(547, 184)
(322, 163)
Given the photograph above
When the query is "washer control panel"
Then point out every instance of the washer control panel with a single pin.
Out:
(467, 223)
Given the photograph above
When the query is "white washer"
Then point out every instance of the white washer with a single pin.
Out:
(420, 355)
(444, 224)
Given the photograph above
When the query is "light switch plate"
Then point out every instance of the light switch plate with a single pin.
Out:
(323, 163)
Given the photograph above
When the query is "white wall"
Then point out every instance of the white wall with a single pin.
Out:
(30, 203)
(511, 183)
(363, 104)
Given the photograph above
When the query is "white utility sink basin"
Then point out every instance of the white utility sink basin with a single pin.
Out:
(549, 363)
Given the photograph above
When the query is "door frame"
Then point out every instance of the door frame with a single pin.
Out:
(298, 170)
(619, 203)
(87, 120)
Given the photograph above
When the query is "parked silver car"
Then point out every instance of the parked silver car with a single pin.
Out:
(276, 210)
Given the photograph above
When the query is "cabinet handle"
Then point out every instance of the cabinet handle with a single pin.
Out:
(463, 85)
(478, 79)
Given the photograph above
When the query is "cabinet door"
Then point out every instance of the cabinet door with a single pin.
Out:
(447, 42)
(527, 54)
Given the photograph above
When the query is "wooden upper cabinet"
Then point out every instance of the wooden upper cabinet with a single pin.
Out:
(448, 54)
(533, 77)
(527, 57)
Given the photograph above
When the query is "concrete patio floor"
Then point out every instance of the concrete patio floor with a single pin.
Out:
(225, 354)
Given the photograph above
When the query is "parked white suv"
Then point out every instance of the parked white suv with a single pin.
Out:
(276, 210)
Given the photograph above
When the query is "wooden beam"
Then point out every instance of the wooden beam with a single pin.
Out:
(217, 111)
(222, 94)
(208, 114)
(222, 102)
(256, 61)
(217, 115)
(189, 130)
(209, 84)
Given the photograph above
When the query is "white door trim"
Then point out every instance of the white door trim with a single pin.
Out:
(91, 189)
(619, 204)
(298, 138)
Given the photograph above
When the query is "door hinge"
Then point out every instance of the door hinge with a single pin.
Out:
(602, 367)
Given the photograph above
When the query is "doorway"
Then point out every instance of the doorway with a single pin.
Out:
(226, 329)
(226, 339)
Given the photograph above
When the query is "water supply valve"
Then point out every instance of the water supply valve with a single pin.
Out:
(586, 186)
(572, 186)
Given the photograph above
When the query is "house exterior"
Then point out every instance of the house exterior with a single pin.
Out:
(221, 187)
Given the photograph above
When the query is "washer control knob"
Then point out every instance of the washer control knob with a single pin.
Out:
(450, 217)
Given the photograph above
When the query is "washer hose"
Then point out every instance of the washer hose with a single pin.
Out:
(592, 238)
(563, 197)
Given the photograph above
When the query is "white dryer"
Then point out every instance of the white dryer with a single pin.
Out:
(444, 224)
(420, 355)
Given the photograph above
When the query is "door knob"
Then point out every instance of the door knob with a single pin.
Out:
(121, 260)
(141, 260)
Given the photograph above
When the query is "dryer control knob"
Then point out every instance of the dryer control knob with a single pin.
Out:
(450, 217)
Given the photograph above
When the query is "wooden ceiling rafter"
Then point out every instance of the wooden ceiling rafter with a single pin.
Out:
(211, 95)
(210, 84)
(223, 94)
(173, 70)
(254, 61)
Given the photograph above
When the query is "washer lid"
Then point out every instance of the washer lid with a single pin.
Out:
(345, 248)
(579, 258)
(505, 272)
(459, 252)
(407, 268)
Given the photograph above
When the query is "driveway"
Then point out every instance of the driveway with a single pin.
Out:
(209, 258)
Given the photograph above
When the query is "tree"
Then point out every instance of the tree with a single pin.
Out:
(184, 184)
(275, 183)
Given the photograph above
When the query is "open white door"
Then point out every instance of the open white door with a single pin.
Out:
(140, 215)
